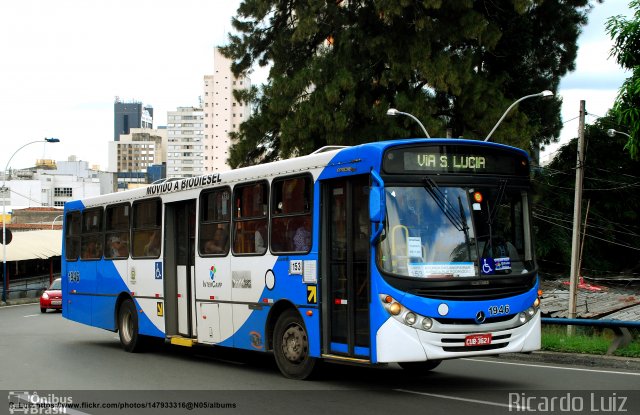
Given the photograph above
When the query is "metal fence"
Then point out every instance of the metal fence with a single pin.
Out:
(30, 287)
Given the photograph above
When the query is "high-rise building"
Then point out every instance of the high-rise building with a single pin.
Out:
(135, 153)
(128, 115)
(222, 113)
(184, 148)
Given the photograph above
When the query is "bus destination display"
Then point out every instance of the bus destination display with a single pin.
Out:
(457, 162)
(455, 159)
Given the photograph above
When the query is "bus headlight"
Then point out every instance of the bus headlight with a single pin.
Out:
(410, 318)
(522, 317)
(404, 315)
(531, 312)
(427, 323)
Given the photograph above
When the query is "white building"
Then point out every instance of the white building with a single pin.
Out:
(184, 148)
(53, 186)
(222, 113)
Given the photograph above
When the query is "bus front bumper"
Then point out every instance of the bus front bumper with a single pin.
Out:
(397, 342)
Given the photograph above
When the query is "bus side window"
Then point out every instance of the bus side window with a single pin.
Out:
(146, 235)
(72, 236)
(291, 214)
(91, 236)
(215, 215)
(117, 231)
(250, 218)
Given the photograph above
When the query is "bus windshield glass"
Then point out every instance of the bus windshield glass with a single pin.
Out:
(434, 232)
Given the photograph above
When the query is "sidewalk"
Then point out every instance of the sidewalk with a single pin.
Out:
(573, 359)
(20, 301)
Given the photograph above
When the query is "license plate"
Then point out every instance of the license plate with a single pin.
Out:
(478, 339)
(56, 302)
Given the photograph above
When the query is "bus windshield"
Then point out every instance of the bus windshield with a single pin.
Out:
(455, 232)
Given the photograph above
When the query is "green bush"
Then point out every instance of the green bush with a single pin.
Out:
(587, 340)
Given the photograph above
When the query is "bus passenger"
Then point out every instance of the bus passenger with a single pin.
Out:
(260, 247)
(152, 248)
(117, 248)
(91, 251)
(302, 237)
(217, 245)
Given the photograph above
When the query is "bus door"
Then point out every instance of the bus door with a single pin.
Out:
(180, 231)
(345, 264)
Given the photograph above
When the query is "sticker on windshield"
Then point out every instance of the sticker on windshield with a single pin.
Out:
(441, 269)
(488, 266)
(414, 247)
(502, 264)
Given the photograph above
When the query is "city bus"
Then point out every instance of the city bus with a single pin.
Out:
(406, 251)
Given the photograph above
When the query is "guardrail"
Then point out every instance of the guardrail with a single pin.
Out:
(21, 288)
(620, 328)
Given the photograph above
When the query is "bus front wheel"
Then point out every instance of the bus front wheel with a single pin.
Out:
(130, 340)
(420, 367)
(291, 346)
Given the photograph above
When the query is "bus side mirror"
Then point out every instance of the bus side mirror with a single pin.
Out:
(376, 204)
(377, 211)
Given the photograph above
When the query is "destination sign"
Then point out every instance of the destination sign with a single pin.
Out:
(459, 162)
(456, 159)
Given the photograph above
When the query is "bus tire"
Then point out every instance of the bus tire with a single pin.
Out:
(130, 339)
(420, 367)
(291, 346)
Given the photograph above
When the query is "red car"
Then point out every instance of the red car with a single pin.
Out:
(52, 297)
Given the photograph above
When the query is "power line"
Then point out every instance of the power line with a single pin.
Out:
(589, 235)
(623, 186)
(592, 226)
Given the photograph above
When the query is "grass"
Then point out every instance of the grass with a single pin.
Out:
(586, 340)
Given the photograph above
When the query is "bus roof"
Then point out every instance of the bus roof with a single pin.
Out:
(321, 158)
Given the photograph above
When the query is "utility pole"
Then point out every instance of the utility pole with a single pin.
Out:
(577, 213)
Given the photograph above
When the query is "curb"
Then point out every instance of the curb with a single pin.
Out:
(575, 359)
(20, 301)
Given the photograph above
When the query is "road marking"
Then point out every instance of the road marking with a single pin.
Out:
(456, 398)
(31, 315)
(613, 372)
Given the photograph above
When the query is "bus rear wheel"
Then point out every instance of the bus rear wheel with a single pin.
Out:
(130, 339)
(291, 346)
(420, 367)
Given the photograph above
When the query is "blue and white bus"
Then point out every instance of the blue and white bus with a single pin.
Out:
(407, 251)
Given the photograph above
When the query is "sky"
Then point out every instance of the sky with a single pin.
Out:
(63, 62)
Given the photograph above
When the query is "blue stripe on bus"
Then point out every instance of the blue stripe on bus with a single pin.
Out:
(99, 277)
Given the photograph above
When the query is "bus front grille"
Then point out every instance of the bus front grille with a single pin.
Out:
(471, 293)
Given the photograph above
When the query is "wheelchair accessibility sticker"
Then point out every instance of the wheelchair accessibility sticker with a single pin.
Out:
(158, 272)
(488, 266)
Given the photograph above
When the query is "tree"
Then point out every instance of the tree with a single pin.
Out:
(337, 66)
(626, 36)
(611, 187)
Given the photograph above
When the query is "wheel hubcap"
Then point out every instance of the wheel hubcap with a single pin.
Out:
(126, 327)
(294, 344)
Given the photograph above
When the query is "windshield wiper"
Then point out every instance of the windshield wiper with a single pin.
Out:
(445, 206)
(493, 213)
(457, 219)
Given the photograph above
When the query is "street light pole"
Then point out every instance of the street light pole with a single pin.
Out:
(543, 94)
(611, 132)
(4, 213)
(55, 219)
(392, 112)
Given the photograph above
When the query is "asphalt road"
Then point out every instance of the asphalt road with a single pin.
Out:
(47, 356)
